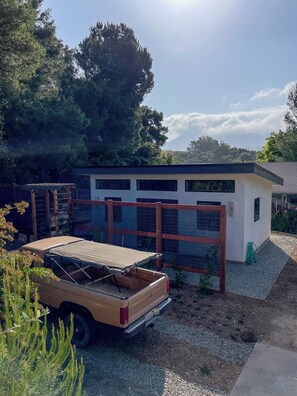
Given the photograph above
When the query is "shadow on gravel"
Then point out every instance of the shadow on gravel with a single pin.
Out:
(112, 367)
(256, 280)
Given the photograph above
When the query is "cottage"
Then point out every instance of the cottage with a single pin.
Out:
(244, 188)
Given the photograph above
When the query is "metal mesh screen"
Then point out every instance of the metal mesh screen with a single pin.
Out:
(190, 255)
(188, 236)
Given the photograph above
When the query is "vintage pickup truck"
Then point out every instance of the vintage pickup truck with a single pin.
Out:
(101, 285)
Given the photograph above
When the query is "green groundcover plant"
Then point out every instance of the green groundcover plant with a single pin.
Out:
(33, 359)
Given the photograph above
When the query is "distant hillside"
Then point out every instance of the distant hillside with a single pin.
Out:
(210, 151)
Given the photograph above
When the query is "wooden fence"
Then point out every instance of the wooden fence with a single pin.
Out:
(189, 237)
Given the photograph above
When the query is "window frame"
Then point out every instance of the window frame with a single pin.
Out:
(256, 209)
(119, 181)
(139, 182)
(189, 185)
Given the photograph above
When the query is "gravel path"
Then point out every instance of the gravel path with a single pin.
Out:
(228, 350)
(110, 371)
(256, 280)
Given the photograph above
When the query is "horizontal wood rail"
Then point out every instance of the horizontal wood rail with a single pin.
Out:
(110, 229)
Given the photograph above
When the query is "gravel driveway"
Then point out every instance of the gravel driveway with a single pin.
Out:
(165, 360)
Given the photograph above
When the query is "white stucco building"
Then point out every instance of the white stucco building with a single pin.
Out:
(245, 189)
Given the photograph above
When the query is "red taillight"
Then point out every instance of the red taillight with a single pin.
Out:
(124, 315)
(167, 285)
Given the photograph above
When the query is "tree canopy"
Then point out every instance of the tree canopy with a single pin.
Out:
(20, 52)
(117, 76)
(61, 107)
(282, 145)
(209, 150)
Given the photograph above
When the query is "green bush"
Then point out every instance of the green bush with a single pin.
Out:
(284, 222)
(33, 360)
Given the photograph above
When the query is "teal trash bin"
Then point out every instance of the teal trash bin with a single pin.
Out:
(251, 256)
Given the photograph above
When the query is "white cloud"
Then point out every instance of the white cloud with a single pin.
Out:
(227, 98)
(236, 105)
(274, 92)
(254, 122)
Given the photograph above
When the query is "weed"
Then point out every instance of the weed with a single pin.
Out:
(179, 278)
(205, 370)
(205, 283)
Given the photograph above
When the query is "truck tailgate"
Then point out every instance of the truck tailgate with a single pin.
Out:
(146, 299)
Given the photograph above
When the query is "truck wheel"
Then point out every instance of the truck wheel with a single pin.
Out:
(82, 329)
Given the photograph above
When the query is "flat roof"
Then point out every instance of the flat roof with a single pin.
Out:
(246, 167)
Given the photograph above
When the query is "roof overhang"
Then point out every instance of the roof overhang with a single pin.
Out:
(244, 168)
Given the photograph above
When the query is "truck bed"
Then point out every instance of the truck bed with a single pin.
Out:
(123, 286)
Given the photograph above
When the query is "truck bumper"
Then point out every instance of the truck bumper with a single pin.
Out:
(146, 320)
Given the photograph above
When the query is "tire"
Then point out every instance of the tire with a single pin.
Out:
(82, 329)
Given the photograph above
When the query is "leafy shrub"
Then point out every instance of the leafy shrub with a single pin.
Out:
(285, 221)
(33, 361)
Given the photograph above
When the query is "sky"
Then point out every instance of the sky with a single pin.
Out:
(222, 68)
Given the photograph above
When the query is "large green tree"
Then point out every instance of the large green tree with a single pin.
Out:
(117, 76)
(20, 52)
(151, 137)
(63, 108)
(291, 115)
(282, 145)
(43, 127)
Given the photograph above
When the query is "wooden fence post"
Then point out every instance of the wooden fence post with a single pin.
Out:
(47, 212)
(223, 248)
(70, 213)
(159, 232)
(56, 212)
(33, 211)
(110, 221)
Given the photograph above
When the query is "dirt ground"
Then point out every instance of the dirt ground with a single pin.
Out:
(230, 317)
(241, 319)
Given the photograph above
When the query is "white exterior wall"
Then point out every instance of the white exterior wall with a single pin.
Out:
(240, 221)
(257, 231)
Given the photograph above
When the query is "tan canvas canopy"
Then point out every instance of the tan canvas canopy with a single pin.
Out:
(103, 254)
(90, 252)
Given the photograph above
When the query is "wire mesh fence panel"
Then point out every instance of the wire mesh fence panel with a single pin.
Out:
(86, 222)
(189, 237)
(195, 222)
(192, 256)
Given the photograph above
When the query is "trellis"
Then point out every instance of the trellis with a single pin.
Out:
(50, 206)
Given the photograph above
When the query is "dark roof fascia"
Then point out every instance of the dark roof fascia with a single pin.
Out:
(247, 167)
(262, 172)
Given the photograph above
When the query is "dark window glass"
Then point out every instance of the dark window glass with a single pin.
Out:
(157, 185)
(209, 221)
(257, 209)
(117, 210)
(210, 186)
(292, 199)
(112, 184)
